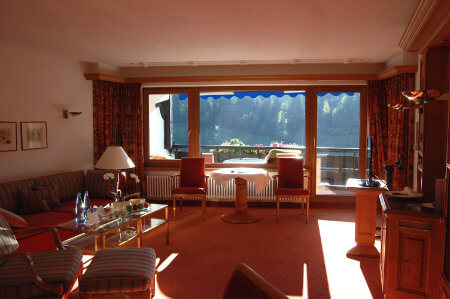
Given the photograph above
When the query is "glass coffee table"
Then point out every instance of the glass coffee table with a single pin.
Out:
(108, 232)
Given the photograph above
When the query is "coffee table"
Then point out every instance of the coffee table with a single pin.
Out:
(108, 233)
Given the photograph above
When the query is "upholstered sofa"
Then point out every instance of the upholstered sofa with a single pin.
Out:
(50, 200)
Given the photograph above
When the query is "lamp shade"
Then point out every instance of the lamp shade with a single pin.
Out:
(114, 157)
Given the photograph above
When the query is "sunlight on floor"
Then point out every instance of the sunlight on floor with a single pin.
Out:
(345, 278)
(159, 294)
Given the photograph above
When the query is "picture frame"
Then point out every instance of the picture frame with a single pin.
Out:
(8, 136)
(34, 135)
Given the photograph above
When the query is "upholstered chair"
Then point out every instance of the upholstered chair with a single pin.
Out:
(289, 183)
(192, 183)
(36, 275)
(245, 283)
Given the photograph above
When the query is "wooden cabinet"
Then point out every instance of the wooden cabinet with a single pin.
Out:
(432, 135)
(411, 250)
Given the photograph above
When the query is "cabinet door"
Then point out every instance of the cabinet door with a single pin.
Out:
(413, 260)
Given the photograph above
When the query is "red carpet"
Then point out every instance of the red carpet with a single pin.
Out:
(302, 260)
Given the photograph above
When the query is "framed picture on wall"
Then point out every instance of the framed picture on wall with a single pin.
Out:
(34, 135)
(8, 136)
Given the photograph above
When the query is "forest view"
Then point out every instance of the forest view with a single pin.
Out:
(268, 117)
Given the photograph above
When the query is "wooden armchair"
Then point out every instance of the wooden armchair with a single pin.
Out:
(40, 274)
(192, 183)
(247, 284)
(289, 183)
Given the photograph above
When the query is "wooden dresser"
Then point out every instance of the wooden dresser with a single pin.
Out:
(411, 249)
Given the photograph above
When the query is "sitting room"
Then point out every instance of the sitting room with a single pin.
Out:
(293, 149)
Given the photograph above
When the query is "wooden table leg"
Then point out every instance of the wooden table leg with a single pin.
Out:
(167, 226)
(240, 215)
(139, 232)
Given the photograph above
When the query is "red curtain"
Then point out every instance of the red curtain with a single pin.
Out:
(392, 130)
(118, 120)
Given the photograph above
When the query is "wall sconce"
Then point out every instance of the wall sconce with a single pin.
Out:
(67, 113)
(417, 98)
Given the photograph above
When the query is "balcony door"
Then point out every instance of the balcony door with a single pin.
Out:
(340, 133)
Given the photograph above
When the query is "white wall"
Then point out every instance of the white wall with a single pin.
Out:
(37, 87)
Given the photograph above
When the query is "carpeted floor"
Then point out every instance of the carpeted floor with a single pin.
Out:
(302, 260)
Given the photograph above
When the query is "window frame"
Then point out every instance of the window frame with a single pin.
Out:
(310, 121)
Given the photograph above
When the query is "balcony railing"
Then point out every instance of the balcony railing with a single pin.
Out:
(334, 165)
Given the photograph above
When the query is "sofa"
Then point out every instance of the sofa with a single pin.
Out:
(50, 200)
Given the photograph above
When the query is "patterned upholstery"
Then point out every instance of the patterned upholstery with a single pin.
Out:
(97, 186)
(67, 184)
(55, 267)
(52, 197)
(118, 270)
(9, 194)
(8, 242)
(13, 219)
(34, 200)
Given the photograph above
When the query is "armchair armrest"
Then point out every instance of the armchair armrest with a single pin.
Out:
(54, 288)
(53, 230)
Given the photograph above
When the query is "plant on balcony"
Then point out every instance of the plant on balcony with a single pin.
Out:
(236, 142)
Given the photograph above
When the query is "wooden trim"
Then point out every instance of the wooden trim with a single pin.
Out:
(194, 123)
(263, 78)
(105, 77)
(428, 20)
(397, 70)
(387, 73)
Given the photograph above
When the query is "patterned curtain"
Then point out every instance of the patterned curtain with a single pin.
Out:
(118, 120)
(392, 130)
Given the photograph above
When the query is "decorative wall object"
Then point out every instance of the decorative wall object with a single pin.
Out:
(8, 136)
(34, 135)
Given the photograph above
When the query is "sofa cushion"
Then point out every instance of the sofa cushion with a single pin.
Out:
(98, 186)
(52, 198)
(55, 267)
(34, 200)
(8, 242)
(67, 184)
(9, 194)
(13, 219)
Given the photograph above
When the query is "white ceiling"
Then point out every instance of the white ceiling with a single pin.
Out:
(196, 32)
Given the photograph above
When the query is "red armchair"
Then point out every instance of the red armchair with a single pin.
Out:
(193, 184)
(289, 183)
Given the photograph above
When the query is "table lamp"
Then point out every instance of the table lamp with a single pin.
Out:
(115, 158)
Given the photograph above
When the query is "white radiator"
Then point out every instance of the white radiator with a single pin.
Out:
(160, 187)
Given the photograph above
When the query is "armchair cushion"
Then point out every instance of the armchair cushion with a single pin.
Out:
(54, 267)
(290, 173)
(192, 172)
(13, 219)
(189, 190)
(8, 242)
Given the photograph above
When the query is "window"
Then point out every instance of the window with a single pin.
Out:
(242, 126)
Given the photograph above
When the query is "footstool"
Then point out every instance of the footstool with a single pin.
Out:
(125, 271)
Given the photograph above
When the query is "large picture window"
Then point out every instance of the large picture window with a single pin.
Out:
(326, 125)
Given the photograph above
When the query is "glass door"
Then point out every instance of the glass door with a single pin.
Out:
(337, 139)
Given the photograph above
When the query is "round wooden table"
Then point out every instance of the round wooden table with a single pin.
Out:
(259, 177)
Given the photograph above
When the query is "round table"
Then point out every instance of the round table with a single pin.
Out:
(259, 177)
